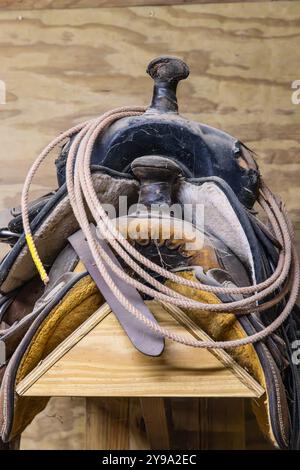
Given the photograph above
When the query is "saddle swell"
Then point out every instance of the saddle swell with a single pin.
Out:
(199, 149)
(155, 159)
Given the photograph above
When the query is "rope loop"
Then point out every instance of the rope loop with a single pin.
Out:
(82, 196)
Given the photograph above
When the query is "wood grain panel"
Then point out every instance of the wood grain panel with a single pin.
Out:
(222, 424)
(137, 429)
(60, 426)
(64, 425)
(107, 423)
(60, 4)
(61, 67)
(185, 422)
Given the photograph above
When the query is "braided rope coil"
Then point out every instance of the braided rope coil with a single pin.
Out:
(82, 193)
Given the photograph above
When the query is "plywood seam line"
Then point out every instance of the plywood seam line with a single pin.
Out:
(11, 5)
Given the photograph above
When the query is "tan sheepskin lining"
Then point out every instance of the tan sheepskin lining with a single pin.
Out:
(52, 235)
(78, 304)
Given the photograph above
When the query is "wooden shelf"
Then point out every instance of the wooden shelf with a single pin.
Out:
(98, 360)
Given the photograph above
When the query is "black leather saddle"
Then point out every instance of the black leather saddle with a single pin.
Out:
(155, 157)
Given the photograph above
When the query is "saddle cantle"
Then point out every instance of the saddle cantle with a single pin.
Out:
(217, 259)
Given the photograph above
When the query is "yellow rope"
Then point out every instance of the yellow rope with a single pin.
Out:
(36, 259)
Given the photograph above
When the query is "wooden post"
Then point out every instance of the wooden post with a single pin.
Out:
(138, 439)
(156, 422)
(107, 423)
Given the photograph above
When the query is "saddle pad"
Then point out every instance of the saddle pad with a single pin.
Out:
(243, 249)
(66, 310)
(52, 227)
(222, 209)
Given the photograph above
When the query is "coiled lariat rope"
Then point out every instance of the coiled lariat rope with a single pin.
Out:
(82, 193)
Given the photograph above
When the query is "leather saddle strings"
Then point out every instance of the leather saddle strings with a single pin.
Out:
(81, 193)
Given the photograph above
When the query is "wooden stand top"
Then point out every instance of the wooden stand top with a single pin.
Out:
(98, 360)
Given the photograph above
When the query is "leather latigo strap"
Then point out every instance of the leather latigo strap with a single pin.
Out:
(141, 337)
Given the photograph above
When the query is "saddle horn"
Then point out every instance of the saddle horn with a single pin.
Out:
(166, 73)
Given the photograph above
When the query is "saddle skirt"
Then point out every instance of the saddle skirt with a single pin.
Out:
(234, 249)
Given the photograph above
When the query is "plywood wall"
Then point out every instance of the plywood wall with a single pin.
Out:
(62, 66)
(49, 4)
